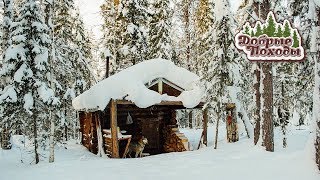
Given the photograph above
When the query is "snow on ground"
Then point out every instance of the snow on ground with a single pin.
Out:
(240, 160)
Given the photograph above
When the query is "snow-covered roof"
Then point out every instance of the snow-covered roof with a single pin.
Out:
(130, 84)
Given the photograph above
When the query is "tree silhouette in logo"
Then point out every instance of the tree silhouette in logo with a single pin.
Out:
(287, 30)
(295, 39)
(271, 26)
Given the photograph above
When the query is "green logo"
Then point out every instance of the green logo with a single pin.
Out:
(271, 41)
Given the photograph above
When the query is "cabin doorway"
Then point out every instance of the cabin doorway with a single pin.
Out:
(151, 130)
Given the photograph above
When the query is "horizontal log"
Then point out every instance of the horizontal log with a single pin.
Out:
(163, 103)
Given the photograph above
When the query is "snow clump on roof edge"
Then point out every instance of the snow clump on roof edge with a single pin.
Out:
(130, 84)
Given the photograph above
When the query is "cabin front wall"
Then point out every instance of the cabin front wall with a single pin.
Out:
(157, 123)
(147, 122)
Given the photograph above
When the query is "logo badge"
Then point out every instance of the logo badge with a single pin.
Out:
(271, 41)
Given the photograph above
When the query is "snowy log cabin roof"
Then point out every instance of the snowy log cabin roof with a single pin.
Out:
(133, 84)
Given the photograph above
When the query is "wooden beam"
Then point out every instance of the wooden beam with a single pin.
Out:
(163, 103)
(114, 129)
(160, 86)
(205, 126)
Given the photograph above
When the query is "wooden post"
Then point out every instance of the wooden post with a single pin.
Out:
(107, 66)
(160, 86)
(205, 126)
(231, 123)
(114, 130)
(99, 136)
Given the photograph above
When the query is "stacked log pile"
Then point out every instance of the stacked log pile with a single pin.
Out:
(107, 142)
(174, 141)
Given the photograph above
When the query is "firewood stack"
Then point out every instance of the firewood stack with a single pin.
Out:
(175, 141)
(107, 141)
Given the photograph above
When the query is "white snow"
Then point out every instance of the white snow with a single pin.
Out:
(131, 28)
(221, 9)
(233, 93)
(316, 2)
(234, 5)
(8, 95)
(45, 93)
(231, 161)
(69, 93)
(125, 50)
(21, 72)
(107, 52)
(129, 84)
(41, 59)
(14, 51)
(312, 7)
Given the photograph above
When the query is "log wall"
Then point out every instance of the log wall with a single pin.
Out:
(88, 131)
(157, 123)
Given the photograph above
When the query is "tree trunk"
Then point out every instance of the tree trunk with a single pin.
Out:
(257, 117)
(283, 117)
(190, 119)
(317, 144)
(217, 129)
(48, 16)
(317, 64)
(65, 132)
(186, 17)
(205, 126)
(35, 137)
(267, 108)
(262, 9)
(51, 140)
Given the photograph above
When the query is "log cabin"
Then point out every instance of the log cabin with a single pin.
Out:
(140, 101)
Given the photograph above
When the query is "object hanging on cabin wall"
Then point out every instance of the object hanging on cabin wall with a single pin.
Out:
(231, 123)
(129, 119)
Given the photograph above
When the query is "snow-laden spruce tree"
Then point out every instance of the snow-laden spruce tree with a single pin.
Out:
(131, 28)
(5, 34)
(111, 40)
(249, 12)
(82, 56)
(304, 70)
(263, 82)
(8, 13)
(27, 94)
(314, 16)
(220, 74)
(160, 42)
(72, 52)
(284, 79)
(204, 44)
